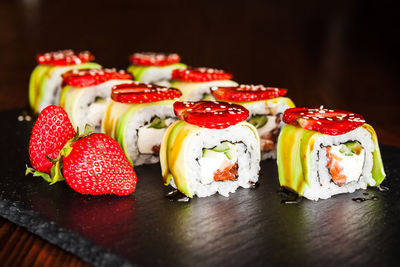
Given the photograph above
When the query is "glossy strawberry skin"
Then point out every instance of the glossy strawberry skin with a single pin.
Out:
(326, 121)
(97, 165)
(64, 58)
(92, 77)
(246, 93)
(50, 133)
(154, 59)
(211, 114)
(142, 93)
(200, 75)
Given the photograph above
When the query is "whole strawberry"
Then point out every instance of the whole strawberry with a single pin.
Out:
(97, 165)
(90, 163)
(51, 132)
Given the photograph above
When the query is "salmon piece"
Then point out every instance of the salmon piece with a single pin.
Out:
(334, 168)
(229, 173)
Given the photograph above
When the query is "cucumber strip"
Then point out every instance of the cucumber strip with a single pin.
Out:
(258, 121)
(157, 123)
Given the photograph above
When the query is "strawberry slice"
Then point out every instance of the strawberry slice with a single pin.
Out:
(326, 121)
(64, 57)
(142, 93)
(246, 93)
(200, 75)
(50, 133)
(211, 114)
(97, 165)
(154, 59)
(92, 77)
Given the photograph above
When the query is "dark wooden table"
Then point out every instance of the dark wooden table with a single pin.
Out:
(342, 54)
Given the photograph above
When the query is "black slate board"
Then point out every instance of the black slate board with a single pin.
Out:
(251, 227)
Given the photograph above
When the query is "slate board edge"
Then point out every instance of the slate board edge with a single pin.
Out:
(63, 238)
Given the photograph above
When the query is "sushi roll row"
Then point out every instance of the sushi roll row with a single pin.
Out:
(209, 132)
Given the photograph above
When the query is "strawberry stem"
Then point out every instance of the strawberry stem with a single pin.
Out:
(56, 174)
(36, 173)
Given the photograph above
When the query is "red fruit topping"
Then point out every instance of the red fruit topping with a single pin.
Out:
(92, 77)
(50, 133)
(64, 57)
(97, 165)
(200, 75)
(154, 59)
(210, 114)
(142, 93)
(246, 93)
(326, 121)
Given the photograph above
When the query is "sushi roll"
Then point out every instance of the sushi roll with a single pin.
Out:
(154, 68)
(210, 149)
(195, 83)
(45, 81)
(86, 93)
(324, 152)
(266, 106)
(137, 117)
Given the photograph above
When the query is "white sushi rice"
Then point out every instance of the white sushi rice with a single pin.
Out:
(87, 111)
(142, 119)
(248, 159)
(203, 88)
(321, 183)
(53, 88)
(149, 137)
(273, 110)
(158, 75)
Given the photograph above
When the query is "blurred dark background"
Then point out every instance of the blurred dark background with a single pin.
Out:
(340, 54)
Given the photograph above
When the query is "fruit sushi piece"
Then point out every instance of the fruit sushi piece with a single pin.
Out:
(45, 81)
(154, 68)
(137, 117)
(210, 149)
(266, 106)
(86, 93)
(324, 152)
(195, 83)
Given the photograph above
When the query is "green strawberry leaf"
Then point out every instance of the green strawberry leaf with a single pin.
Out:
(36, 173)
